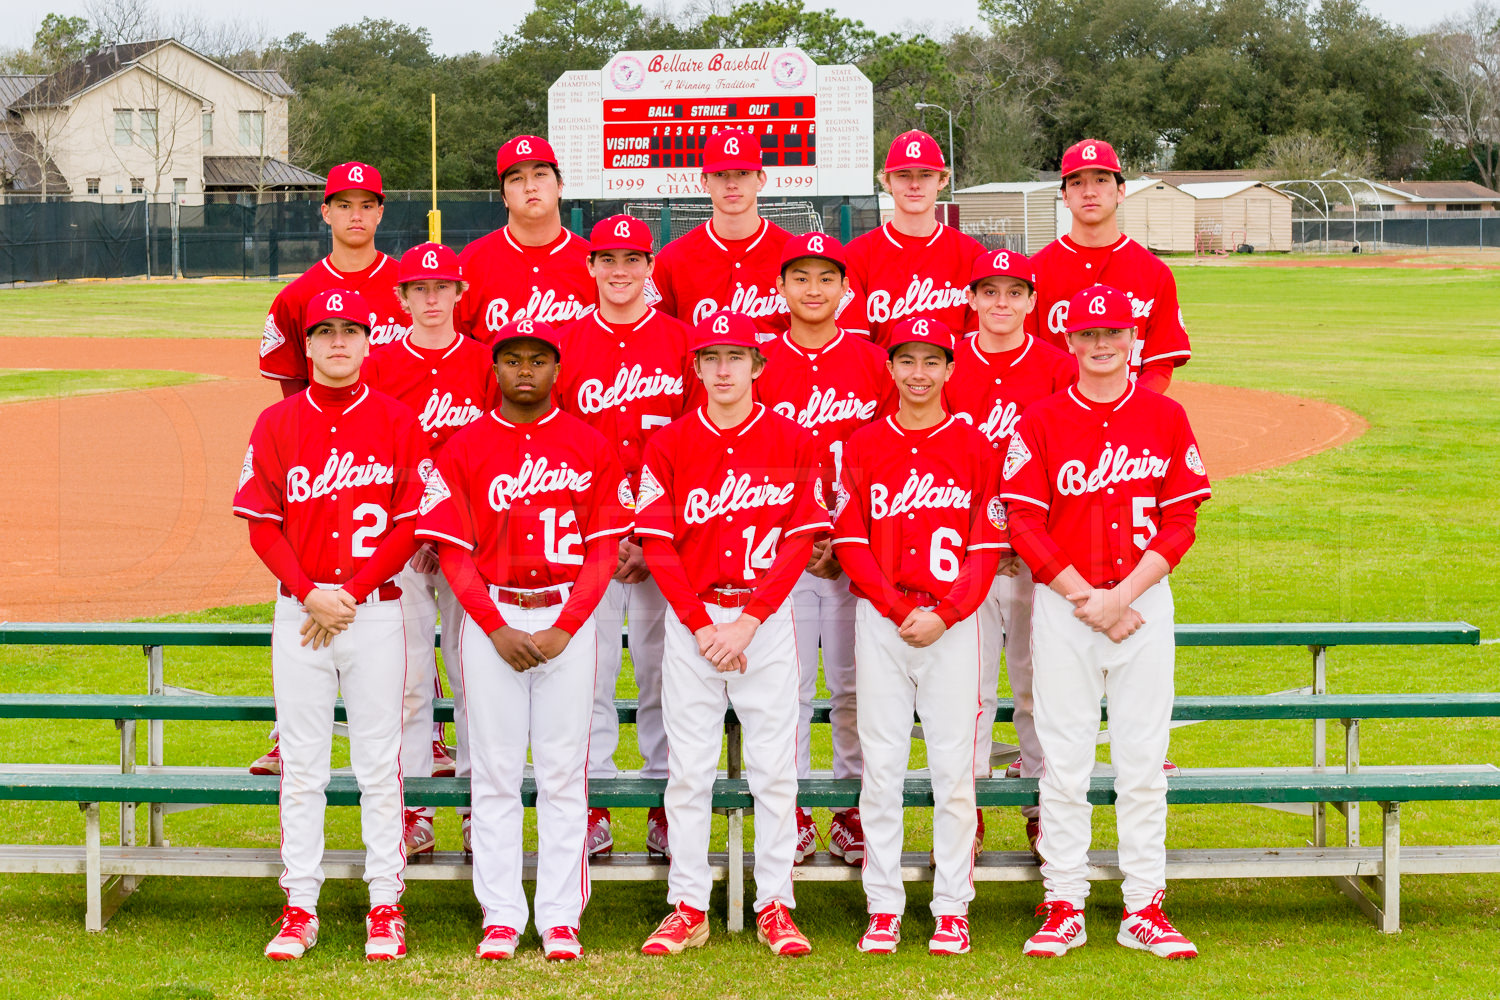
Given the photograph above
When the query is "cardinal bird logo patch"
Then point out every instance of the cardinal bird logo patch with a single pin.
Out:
(818, 494)
(840, 500)
(271, 337)
(1015, 456)
(1194, 462)
(649, 491)
(626, 498)
(248, 469)
(996, 511)
(435, 493)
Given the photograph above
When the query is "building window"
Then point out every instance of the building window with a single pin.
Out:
(148, 128)
(253, 129)
(208, 128)
(93, 183)
(137, 185)
(179, 187)
(124, 125)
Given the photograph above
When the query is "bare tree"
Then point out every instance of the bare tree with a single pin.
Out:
(1462, 57)
(1305, 156)
(167, 110)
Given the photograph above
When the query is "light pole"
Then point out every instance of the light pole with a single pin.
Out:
(952, 170)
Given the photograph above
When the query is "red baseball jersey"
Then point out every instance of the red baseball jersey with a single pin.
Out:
(446, 388)
(509, 281)
(830, 392)
(627, 382)
(1095, 485)
(1064, 268)
(991, 391)
(700, 273)
(923, 502)
(726, 499)
(895, 276)
(526, 499)
(283, 342)
(337, 477)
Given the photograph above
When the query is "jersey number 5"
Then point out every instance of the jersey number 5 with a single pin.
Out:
(1140, 518)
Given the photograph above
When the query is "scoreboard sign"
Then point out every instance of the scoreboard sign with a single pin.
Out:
(637, 127)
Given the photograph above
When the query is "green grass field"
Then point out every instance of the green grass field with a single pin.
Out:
(19, 385)
(140, 309)
(1397, 525)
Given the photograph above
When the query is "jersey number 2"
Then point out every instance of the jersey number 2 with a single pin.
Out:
(360, 541)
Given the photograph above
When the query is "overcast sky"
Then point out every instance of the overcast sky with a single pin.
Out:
(467, 25)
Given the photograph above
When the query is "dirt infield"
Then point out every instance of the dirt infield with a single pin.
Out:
(119, 504)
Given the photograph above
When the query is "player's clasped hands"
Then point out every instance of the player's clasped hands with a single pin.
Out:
(425, 561)
(329, 612)
(1106, 611)
(524, 650)
(822, 563)
(1009, 567)
(631, 567)
(922, 628)
(724, 645)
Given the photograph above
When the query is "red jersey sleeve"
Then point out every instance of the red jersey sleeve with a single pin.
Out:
(1166, 338)
(444, 514)
(1184, 488)
(1028, 497)
(282, 355)
(260, 495)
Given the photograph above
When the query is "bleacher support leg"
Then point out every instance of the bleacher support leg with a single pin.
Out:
(1320, 742)
(156, 684)
(1351, 764)
(734, 917)
(93, 917)
(1390, 886)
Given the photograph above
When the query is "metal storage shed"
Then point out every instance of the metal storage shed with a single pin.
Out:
(1025, 208)
(1231, 213)
(1159, 216)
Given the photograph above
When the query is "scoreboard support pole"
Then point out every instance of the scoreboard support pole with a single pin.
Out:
(846, 221)
(577, 221)
(666, 222)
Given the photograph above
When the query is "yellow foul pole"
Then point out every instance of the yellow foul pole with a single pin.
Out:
(434, 217)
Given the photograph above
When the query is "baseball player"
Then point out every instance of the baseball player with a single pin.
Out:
(353, 202)
(527, 505)
(998, 373)
(330, 486)
(919, 528)
(731, 261)
(831, 383)
(913, 265)
(1103, 482)
(625, 377)
(1094, 252)
(728, 507)
(447, 381)
(530, 268)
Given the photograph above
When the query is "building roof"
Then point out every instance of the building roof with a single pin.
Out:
(1181, 177)
(1135, 185)
(13, 85)
(1445, 191)
(1009, 187)
(20, 169)
(268, 80)
(78, 76)
(221, 172)
(1225, 189)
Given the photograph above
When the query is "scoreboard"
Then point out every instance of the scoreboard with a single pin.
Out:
(637, 128)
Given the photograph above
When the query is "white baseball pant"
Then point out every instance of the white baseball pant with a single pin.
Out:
(941, 684)
(694, 696)
(547, 708)
(1005, 624)
(1075, 667)
(424, 595)
(646, 610)
(824, 610)
(366, 663)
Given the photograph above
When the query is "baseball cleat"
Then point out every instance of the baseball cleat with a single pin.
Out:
(1060, 933)
(268, 762)
(978, 831)
(599, 839)
(385, 933)
(1013, 769)
(807, 837)
(683, 928)
(1034, 834)
(775, 929)
(298, 932)
(1148, 929)
(882, 936)
(416, 833)
(443, 765)
(656, 832)
(498, 943)
(466, 823)
(846, 837)
(560, 944)
(1168, 767)
(950, 937)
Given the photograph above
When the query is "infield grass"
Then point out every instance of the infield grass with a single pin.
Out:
(1396, 525)
(135, 309)
(19, 385)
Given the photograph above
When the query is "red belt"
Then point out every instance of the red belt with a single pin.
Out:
(727, 598)
(922, 597)
(529, 598)
(385, 592)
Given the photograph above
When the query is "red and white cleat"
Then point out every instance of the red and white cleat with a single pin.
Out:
(599, 839)
(950, 937)
(385, 933)
(883, 934)
(846, 837)
(268, 762)
(298, 932)
(1034, 834)
(807, 837)
(656, 832)
(416, 833)
(560, 944)
(683, 928)
(774, 928)
(1013, 769)
(443, 765)
(1148, 929)
(498, 943)
(1060, 933)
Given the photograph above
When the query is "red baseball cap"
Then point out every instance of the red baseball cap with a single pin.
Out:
(731, 149)
(523, 148)
(1099, 307)
(819, 245)
(1003, 264)
(1090, 154)
(914, 149)
(337, 303)
(533, 329)
(429, 262)
(921, 330)
(621, 232)
(725, 328)
(353, 177)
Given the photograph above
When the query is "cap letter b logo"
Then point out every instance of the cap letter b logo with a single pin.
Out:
(1096, 306)
(721, 325)
(1090, 152)
(815, 244)
(622, 229)
(524, 326)
(357, 174)
(335, 303)
(919, 328)
(1002, 260)
(429, 260)
(732, 146)
(524, 147)
(914, 149)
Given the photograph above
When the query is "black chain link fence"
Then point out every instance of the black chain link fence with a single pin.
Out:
(1400, 230)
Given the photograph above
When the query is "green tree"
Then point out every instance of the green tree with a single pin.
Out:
(58, 41)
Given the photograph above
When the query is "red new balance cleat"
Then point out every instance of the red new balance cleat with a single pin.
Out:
(807, 837)
(1061, 932)
(560, 944)
(416, 833)
(950, 937)
(656, 832)
(978, 831)
(385, 933)
(1034, 834)
(298, 932)
(846, 837)
(443, 765)
(774, 928)
(499, 943)
(268, 762)
(883, 934)
(599, 839)
(1148, 929)
(683, 928)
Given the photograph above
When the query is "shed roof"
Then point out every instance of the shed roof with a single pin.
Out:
(253, 172)
(1009, 187)
(1445, 190)
(1224, 189)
